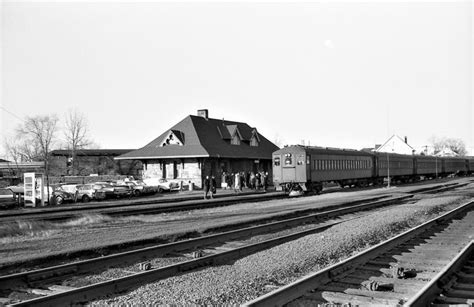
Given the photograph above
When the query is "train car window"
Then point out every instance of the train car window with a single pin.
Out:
(277, 161)
(308, 160)
(288, 159)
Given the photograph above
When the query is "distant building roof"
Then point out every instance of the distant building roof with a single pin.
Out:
(446, 152)
(91, 152)
(206, 137)
(3, 160)
(396, 144)
(21, 165)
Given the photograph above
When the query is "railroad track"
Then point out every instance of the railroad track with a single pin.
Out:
(388, 274)
(170, 205)
(138, 267)
(167, 205)
(454, 285)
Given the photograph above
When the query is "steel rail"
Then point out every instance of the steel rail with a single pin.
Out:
(158, 205)
(30, 278)
(445, 188)
(425, 296)
(133, 209)
(90, 292)
(296, 289)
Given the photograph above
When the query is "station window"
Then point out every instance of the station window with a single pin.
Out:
(276, 161)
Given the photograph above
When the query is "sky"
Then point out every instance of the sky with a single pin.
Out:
(344, 74)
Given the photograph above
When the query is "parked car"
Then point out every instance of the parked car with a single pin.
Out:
(115, 190)
(163, 185)
(139, 187)
(70, 188)
(90, 191)
(58, 195)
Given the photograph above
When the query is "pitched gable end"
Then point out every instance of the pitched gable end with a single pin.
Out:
(174, 137)
(255, 139)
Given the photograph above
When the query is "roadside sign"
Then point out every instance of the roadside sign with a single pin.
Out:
(30, 190)
(34, 189)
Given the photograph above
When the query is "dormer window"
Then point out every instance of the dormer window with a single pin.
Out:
(235, 135)
(235, 140)
(253, 141)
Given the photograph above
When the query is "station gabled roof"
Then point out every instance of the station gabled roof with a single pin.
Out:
(205, 137)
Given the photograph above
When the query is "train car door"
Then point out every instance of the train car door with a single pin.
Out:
(288, 169)
(277, 168)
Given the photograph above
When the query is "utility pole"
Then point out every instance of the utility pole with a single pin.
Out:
(388, 170)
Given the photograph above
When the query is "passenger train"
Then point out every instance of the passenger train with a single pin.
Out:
(306, 168)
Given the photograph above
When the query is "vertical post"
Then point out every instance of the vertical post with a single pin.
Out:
(436, 162)
(388, 170)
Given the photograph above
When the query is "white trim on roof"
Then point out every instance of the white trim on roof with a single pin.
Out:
(200, 156)
(160, 157)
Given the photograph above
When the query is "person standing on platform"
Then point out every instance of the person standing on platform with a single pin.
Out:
(265, 181)
(213, 186)
(237, 182)
(207, 186)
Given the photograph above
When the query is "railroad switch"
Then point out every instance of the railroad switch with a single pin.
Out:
(145, 266)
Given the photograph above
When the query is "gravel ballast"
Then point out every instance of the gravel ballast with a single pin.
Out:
(26, 240)
(254, 275)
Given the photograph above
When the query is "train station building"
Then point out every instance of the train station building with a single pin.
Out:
(199, 146)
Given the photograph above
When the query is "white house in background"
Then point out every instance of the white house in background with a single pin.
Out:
(446, 152)
(396, 144)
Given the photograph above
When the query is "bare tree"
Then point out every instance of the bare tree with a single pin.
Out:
(278, 141)
(39, 131)
(454, 144)
(22, 150)
(76, 135)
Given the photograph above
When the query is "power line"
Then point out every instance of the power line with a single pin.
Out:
(12, 114)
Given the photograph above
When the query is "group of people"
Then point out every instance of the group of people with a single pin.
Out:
(236, 181)
(250, 180)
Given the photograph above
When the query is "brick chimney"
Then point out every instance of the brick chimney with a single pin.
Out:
(203, 113)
